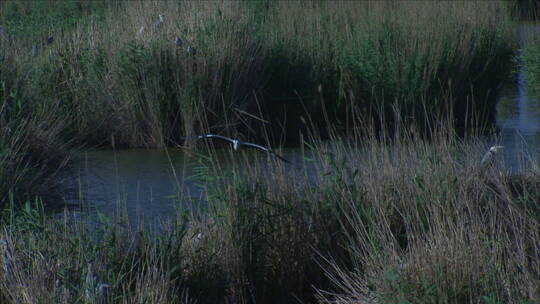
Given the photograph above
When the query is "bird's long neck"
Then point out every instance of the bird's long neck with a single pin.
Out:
(236, 145)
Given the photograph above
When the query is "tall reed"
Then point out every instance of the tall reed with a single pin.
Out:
(140, 89)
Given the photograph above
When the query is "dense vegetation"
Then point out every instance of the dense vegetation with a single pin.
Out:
(415, 220)
(111, 76)
(531, 64)
(410, 222)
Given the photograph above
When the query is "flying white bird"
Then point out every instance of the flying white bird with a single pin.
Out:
(490, 156)
(237, 144)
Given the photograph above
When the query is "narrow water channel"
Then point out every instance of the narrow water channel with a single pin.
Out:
(153, 184)
(518, 112)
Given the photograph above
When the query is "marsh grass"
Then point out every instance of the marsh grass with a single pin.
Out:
(409, 219)
(431, 228)
(33, 154)
(412, 54)
(258, 72)
(258, 58)
(397, 217)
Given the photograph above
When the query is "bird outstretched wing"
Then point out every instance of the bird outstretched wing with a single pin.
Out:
(265, 149)
(230, 140)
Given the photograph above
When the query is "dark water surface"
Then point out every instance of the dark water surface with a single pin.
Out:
(154, 184)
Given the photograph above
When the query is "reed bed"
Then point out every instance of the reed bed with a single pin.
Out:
(106, 74)
(375, 222)
(124, 80)
(378, 54)
(380, 218)
(34, 155)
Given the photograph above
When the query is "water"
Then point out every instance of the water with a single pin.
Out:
(518, 112)
(155, 184)
(143, 183)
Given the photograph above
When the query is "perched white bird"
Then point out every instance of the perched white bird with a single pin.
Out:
(490, 156)
(237, 144)
(159, 23)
